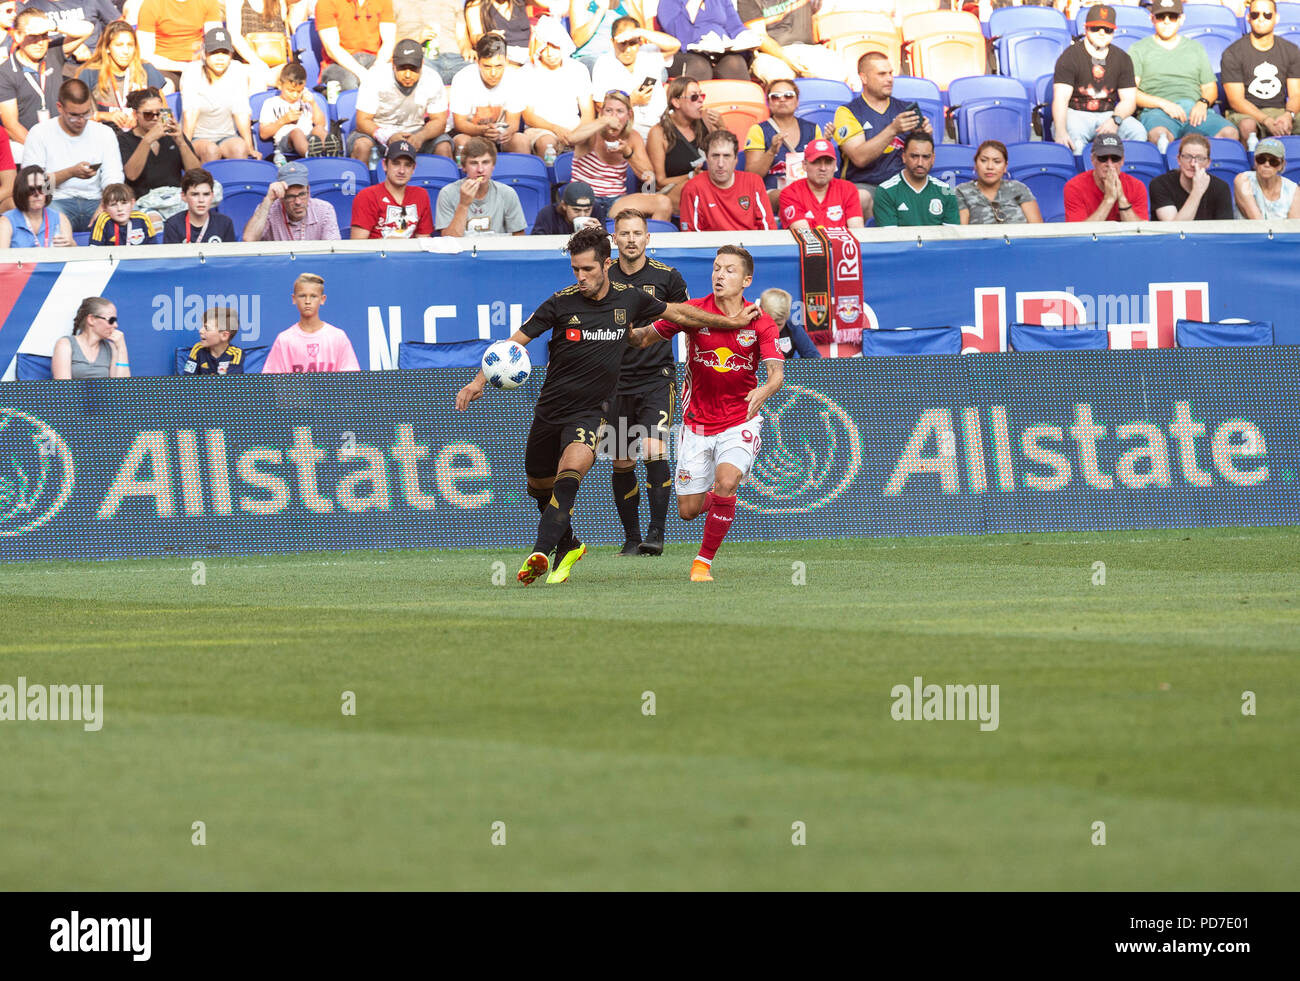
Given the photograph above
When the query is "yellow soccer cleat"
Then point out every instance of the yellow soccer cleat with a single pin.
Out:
(534, 566)
(565, 565)
(700, 571)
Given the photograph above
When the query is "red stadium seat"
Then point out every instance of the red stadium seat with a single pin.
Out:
(945, 44)
(741, 104)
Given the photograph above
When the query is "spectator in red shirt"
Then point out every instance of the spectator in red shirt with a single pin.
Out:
(355, 34)
(393, 209)
(1106, 193)
(723, 199)
(821, 199)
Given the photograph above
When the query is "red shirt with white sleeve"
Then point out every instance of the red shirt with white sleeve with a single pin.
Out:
(379, 213)
(742, 207)
(721, 368)
(798, 203)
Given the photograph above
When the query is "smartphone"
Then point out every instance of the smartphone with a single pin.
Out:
(912, 107)
(166, 117)
(94, 166)
(647, 82)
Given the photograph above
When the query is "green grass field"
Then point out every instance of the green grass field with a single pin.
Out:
(477, 703)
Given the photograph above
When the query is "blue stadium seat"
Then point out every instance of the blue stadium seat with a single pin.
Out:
(254, 359)
(925, 94)
(1209, 15)
(1213, 39)
(527, 175)
(819, 98)
(1287, 13)
(904, 340)
(1005, 21)
(990, 107)
(265, 147)
(307, 46)
(345, 111)
(32, 367)
(954, 163)
(81, 238)
(1032, 337)
(1026, 56)
(1227, 158)
(1043, 168)
(174, 104)
(563, 168)
(244, 184)
(336, 181)
(1194, 333)
(1043, 105)
(1292, 146)
(433, 173)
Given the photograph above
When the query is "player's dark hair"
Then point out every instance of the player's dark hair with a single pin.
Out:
(918, 136)
(140, 96)
(629, 214)
(73, 92)
(489, 46)
(195, 178)
(593, 238)
(740, 253)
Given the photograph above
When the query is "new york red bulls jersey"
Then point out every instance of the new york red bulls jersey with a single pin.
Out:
(721, 369)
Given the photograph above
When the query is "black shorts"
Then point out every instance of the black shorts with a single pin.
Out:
(547, 441)
(644, 412)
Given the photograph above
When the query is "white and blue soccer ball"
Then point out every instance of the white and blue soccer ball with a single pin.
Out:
(506, 364)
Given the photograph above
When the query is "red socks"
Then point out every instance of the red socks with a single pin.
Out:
(721, 512)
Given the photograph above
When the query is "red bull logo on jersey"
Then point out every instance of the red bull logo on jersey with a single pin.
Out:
(724, 359)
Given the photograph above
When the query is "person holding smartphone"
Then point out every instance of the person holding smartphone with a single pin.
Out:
(635, 67)
(79, 154)
(155, 154)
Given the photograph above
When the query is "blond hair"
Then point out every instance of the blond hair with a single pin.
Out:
(775, 301)
(311, 278)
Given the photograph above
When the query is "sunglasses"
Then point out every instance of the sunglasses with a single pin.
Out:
(616, 92)
(1103, 30)
(1168, 16)
(782, 96)
(1268, 159)
(697, 97)
(111, 321)
(1110, 158)
(1261, 15)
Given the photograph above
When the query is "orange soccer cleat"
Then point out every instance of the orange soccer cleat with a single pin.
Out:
(700, 571)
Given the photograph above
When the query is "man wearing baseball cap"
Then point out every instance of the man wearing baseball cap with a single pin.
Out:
(1106, 193)
(393, 209)
(577, 200)
(1176, 84)
(1093, 87)
(288, 213)
(1264, 192)
(404, 103)
(821, 199)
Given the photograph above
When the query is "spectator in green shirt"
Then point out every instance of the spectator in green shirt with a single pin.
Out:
(1176, 85)
(913, 197)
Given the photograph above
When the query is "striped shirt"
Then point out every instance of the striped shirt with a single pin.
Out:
(607, 180)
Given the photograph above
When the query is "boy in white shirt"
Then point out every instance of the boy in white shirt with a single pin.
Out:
(293, 123)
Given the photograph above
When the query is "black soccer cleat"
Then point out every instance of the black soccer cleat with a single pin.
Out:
(630, 547)
(654, 542)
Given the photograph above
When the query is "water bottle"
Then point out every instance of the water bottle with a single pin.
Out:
(278, 159)
(374, 157)
(549, 157)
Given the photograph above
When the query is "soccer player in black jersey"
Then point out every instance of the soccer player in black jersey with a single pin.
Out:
(643, 403)
(590, 324)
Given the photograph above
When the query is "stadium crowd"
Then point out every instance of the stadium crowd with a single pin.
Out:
(193, 121)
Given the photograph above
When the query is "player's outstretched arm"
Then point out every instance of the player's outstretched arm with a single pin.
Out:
(644, 336)
(759, 395)
(475, 388)
(693, 318)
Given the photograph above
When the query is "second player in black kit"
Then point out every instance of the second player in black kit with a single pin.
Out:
(646, 394)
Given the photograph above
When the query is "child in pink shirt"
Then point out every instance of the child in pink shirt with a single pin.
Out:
(311, 344)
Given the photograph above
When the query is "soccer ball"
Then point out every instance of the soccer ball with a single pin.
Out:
(506, 364)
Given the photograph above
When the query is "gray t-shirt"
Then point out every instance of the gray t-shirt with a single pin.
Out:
(1004, 209)
(500, 213)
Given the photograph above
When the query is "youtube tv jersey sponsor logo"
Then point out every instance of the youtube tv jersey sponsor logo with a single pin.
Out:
(596, 334)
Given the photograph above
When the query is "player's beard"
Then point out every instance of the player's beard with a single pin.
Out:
(595, 289)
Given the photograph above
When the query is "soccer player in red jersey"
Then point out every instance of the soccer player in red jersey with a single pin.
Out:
(821, 199)
(724, 199)
(721, 397)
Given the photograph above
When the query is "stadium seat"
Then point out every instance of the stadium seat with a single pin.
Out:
(944, 44)
(527, 175)
(563, 168)
(1209, 15)
(254, 359)
(81, 238)
(1043, 106)
(887, 342)
(1033, 337)
(740, 103)
(336, 181)
(925, 94)
(1292, 146)
(174, 104)
(954, 163)
(345, 111)
(1043, 168)
(906, 8)
(32, 367)
(990, 107)
(653, 225)
(1227, 158)
(1214, 40)
(1288, 22)
(433, 173)
(244, 184)
(819, 98)
(1027, 55)
(852, 33)
(1141, 159)
(1005, 21)
(265, 147)
(1194, 333)
(307, 46)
